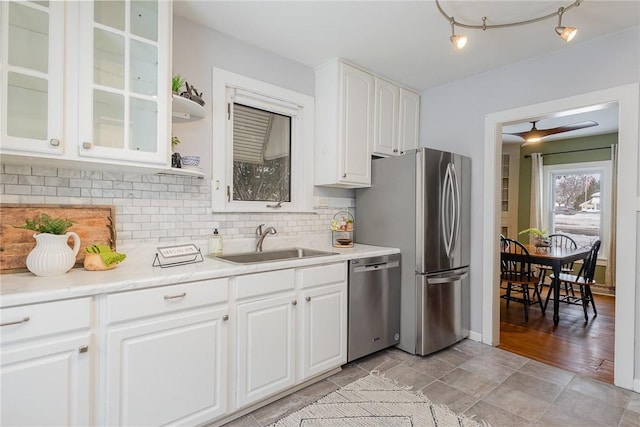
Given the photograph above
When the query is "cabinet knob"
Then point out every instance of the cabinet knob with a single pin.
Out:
(225, 317)
(87, 145)
(294, 302)
(83, 349)
(402, 152)
(344, 175)
(54, 142)
(395, 150)
(308, 298)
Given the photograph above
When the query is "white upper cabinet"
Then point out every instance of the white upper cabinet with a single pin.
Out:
(344, 126)
(357, 115)
(31, 45)
(387, 104)
(409, 120)
(124, 81)
(397, 119)
(86, 81)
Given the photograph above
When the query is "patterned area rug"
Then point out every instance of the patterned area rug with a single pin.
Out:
(375, 401)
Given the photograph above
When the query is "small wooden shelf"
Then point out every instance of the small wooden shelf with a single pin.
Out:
(186, 110)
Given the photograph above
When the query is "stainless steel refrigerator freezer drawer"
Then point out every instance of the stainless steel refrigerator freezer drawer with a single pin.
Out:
(374, 305)
(443, 309)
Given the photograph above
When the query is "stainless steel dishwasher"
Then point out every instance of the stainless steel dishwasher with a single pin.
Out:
(374, 305)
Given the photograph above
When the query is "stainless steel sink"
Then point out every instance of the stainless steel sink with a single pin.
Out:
(275, 255)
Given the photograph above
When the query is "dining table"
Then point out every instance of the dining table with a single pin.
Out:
(555, 257)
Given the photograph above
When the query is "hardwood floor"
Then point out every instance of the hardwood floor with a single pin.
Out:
(585, 348)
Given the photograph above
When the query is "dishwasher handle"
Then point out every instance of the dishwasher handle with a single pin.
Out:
(375, 266)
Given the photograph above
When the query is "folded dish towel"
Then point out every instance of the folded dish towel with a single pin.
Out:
(108, 256)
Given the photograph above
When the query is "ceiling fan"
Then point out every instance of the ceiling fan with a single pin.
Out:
(536, 135)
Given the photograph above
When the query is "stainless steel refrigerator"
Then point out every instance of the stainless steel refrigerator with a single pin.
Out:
(420, 203)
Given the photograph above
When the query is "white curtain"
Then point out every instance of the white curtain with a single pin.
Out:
(610, 272)
(537, 202)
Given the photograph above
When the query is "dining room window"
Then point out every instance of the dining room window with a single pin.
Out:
(577, 201)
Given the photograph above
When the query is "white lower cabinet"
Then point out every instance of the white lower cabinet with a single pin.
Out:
(266, 347)
(170, 366)
(323, 311)
(45, 364)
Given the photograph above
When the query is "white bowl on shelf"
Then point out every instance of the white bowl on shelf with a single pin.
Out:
(191, 161)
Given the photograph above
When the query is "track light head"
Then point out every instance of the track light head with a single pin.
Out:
(456, 39)
(566, 33)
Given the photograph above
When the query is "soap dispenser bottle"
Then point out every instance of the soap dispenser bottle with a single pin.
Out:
(215, 243)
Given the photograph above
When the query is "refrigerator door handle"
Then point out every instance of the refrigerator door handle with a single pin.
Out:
(447, 277)
(448, 211)
(457, 203)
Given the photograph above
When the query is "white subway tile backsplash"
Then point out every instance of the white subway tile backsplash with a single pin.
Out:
(17, 189)
(17, 169)
(150, 208)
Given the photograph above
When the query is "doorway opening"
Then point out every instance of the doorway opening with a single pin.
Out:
(576, 197)
(627, 99)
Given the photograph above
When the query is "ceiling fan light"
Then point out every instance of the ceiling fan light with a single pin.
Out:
(533, 138)
(458, 41)
(566, 33)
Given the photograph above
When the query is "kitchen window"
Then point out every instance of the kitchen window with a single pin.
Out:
(263, 146)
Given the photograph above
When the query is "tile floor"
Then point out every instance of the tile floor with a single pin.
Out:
(485, 382)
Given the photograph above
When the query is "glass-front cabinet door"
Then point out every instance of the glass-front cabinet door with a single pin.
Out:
(31, 76)
(124, 80)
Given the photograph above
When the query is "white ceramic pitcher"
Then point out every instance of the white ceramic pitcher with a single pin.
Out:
(52, 255)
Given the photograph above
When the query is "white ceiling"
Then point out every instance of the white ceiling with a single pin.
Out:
(408, 41)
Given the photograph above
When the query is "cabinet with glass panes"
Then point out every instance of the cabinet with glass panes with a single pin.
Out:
(98, 89)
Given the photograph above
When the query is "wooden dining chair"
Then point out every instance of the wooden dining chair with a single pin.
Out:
(583, 280)
(517, 276)
(558, 241)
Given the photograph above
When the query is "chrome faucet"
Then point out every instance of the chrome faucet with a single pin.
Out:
(262, 234)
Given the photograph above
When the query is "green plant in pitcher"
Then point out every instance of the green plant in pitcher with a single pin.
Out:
(45, 224)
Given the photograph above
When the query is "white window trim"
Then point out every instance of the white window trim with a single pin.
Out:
(254, 92)
(602, 167)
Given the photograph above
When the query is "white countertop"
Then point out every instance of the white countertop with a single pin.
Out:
(137, 272)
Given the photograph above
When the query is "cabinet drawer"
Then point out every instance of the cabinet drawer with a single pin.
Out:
(166, 299)
(252, 285)
(323, 275)
(36, 320)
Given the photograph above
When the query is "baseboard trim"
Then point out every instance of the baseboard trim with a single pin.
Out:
(636, 385)
(475, 336)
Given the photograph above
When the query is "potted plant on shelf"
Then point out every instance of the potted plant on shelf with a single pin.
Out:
(177, 81)
(52, 255)
(540, 237)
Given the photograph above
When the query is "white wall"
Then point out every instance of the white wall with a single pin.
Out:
(197, 49)
(453, 115)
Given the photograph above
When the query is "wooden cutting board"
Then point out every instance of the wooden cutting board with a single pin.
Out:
(94, 224)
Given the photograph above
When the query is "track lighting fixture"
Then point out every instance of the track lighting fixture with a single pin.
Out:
(459, 41)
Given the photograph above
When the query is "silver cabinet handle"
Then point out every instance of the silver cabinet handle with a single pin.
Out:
(83, 349)
(225, 317)
(344, 175)
(308, 298)
(54, 142)
(17, 322)
(294, 302)
(182, 295)
(395, 150)
(87, 145)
